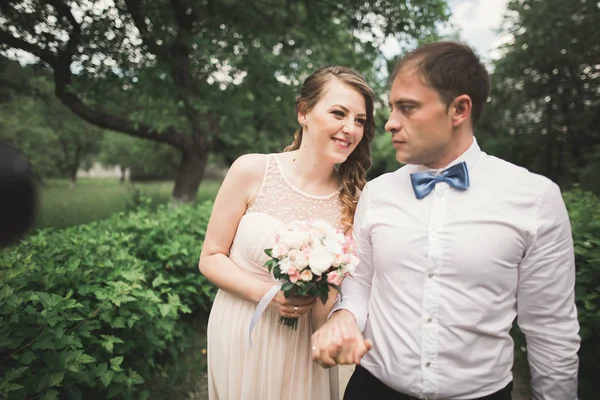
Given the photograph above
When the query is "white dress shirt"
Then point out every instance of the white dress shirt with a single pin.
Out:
(441, 280)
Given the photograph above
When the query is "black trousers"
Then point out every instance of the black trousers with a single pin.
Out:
(363, 385)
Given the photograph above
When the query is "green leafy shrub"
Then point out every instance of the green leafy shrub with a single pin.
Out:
(584, 210)
(94, 311)
(584, 213)
(168, 242)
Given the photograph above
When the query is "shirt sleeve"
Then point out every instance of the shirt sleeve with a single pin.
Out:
(356, 288)
(546, 302)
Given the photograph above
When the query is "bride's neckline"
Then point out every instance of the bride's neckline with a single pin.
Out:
(296, 189)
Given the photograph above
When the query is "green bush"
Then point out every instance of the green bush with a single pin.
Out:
(95, 310)
(584, 213)
(584, 210)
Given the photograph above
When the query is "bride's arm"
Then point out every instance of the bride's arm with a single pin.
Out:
(239, 188)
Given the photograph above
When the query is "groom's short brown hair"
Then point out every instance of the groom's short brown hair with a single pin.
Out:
(451, 69)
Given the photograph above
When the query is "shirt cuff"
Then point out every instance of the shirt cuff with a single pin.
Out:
(360, 314)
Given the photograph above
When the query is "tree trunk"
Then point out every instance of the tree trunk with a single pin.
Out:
(73, 177)
(189, 175)
(74, 165)
(123, 169)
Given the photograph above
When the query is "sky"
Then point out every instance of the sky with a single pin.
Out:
(478, 22)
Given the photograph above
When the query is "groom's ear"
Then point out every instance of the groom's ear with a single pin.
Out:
(460, 110)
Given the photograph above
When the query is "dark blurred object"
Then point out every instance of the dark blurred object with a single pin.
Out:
(18, 195)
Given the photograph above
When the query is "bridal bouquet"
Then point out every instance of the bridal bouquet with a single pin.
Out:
(308, 258)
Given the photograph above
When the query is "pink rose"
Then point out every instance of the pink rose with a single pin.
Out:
(349, 246)
(306, 275)
(335, 278)
(293, 274)
(348, 258)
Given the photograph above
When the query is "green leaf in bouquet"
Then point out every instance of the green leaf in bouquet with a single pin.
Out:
(269, 252)
(287, 288)
(324, 296)
(336, 287)
(272, 264)
(301, 289)
(289, 322)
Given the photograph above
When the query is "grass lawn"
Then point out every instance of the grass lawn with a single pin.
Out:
(96, 199)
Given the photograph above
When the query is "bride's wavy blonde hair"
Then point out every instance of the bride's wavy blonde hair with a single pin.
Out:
(353, 171)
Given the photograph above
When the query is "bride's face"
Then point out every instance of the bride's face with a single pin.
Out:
(335, 125)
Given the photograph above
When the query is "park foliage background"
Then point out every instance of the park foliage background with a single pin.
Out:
(103, 298)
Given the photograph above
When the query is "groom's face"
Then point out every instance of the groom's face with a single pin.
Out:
(419, 121)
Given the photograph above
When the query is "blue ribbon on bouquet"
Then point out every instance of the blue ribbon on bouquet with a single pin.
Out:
(262, 306)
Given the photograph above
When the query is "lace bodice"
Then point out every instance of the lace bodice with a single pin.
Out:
(281, 200)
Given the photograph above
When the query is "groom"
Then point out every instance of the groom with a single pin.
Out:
(453, 246)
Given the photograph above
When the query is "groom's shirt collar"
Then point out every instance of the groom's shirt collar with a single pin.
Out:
(470, 157)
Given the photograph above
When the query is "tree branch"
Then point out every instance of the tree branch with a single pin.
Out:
(177, 57)
(75, 35)
(61, 65)
(139, 20)
(115, 123)
(184, 16)
(18, 43)
(181, 72)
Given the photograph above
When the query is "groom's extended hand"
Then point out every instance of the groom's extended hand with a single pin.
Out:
(339, 341)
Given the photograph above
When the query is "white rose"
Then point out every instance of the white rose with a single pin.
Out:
(334, 243)
(284, 265)
(298, 226)
(320, 260)
(351, 265)
(279, 250)
(292, 254)
(339, 259)
(294, 240)
(300, 261)
(323, 228)
(314, 239)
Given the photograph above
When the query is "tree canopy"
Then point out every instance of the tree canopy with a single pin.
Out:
(545, 104)
(203, 75)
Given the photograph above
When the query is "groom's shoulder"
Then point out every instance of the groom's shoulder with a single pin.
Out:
(511, 173)
(384, 181)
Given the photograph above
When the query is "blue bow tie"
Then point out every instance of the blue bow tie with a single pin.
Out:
(456, 176)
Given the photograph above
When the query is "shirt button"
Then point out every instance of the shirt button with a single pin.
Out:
(428, 364)
(429, 320)
(431, 275)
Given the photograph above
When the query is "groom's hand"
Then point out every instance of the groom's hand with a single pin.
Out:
(339, 341)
